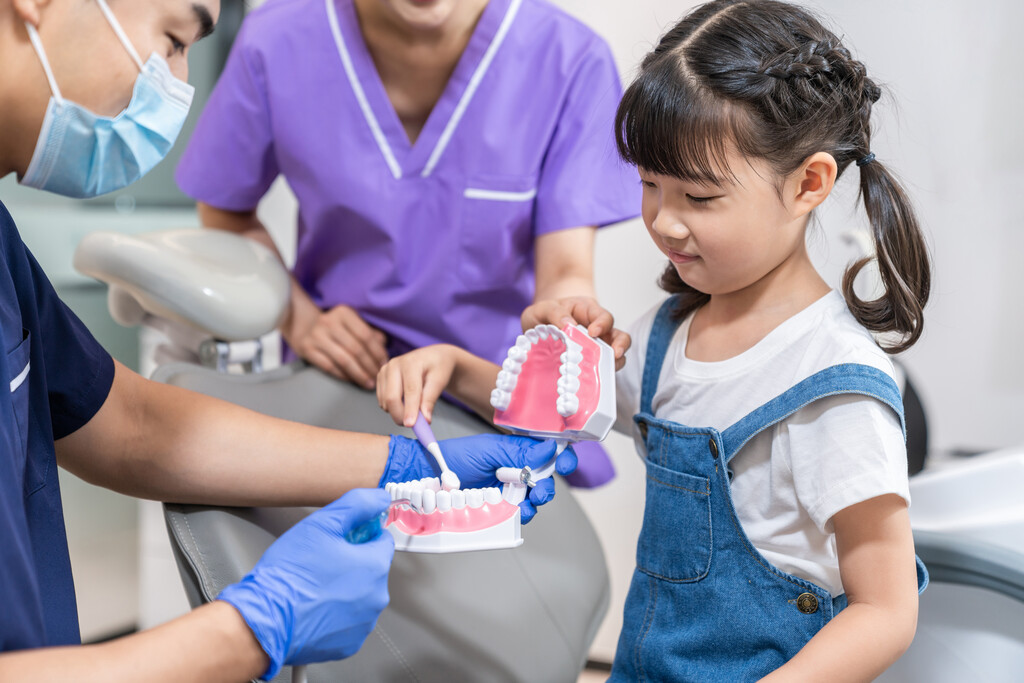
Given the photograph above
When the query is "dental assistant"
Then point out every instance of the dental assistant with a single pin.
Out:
(68, 67)
(451, 160)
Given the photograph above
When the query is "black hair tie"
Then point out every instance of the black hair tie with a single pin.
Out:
(866, 160)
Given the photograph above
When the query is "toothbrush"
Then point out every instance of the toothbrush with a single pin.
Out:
(449, 480)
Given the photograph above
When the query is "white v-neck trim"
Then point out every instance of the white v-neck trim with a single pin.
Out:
(357, 88)
(474, 83)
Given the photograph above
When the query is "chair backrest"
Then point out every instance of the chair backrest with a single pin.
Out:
(527, 614)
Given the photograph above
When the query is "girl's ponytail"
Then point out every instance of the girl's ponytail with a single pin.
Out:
(902, 258)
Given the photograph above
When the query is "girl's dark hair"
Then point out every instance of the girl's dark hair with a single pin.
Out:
(769, 80)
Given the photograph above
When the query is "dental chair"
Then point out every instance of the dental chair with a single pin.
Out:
(525, 614)
(967, 514)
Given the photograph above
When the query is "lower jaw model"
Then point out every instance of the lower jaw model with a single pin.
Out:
(439, 521)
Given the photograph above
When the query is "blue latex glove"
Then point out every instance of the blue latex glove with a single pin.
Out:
(314, 596)
(476, 458)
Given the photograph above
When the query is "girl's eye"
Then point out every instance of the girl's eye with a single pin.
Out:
(700, 200)
(648, 183)
(176, 45)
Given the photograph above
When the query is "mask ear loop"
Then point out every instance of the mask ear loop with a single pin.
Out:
(116, 25)
(37, 44)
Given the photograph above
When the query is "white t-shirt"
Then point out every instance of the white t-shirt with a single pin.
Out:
(791, 478)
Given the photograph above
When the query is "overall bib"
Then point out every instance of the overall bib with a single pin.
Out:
(704, 604)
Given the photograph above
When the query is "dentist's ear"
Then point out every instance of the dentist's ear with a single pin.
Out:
(29, 11)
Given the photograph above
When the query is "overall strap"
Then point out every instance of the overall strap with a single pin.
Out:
(662, 330)
(848, 378)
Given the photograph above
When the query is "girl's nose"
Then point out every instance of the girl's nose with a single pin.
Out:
(668, 225)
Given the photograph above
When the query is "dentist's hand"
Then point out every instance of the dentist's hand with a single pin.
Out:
(584, 311)
(343, 345)
(314, 596)
(476, 458)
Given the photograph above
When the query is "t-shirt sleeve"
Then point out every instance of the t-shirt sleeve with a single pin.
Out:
(230, 161)
(583, 181)
(79, 371)
(845, 450)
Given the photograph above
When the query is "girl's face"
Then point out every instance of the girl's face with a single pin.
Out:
(725, 237)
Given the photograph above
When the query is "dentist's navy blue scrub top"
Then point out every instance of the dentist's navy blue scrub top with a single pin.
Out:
(58, 377)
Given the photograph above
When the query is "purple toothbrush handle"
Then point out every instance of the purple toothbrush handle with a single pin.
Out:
(422, 431)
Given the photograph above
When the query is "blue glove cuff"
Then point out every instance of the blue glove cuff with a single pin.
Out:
(255, 608)
(407, 460)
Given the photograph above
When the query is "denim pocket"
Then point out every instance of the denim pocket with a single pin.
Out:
(675, 541)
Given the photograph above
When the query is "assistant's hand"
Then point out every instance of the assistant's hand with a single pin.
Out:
(343, 345)
(414, 381)
(314, 596)
(584, 311)
(476, 458)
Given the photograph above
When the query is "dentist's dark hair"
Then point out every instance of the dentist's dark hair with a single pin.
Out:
(769, 80)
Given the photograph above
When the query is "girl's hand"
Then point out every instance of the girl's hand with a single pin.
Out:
(414, 381)
(584, 311)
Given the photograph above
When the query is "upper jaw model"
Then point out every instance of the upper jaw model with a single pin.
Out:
(554, 384)
(557, 384)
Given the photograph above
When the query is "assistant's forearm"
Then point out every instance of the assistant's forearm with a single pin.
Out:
(212, 643)
(156, 441)
(859, 644)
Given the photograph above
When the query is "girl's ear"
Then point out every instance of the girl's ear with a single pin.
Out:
(813, 182)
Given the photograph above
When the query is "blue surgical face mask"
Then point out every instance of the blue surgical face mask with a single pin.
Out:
(80, 154)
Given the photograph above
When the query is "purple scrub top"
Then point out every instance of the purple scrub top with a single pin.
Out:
(431, 242)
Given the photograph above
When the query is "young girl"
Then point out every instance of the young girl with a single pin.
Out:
(776, 542)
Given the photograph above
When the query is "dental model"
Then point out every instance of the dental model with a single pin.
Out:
(440, 521)
(557, 384)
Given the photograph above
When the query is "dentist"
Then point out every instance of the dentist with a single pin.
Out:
(92, 97)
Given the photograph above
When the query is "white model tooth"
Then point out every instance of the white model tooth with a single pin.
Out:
(429, 501)
(417, 484)
(532, 335)
(416, 498)
(512, 366)
(570, 357)
(492, 495)
(568, 384)
(572, 369)
(444, 501)
(474, 497)
(425, 481)
(458, 499)
(506, 381)
(390, 488)
(517, 353)
(500, 399)
(542, 331)
(523, 343)
(567, 405)
(403, 490)
(435, 483)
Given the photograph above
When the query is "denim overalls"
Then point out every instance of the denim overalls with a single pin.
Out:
(704, 605)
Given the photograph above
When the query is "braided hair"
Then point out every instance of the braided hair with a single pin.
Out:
(767, 79)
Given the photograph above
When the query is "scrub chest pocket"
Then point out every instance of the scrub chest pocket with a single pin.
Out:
(496, 231)
(16, 429)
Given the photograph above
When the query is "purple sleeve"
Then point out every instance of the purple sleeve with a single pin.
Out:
(583, 180)
(230, 162)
